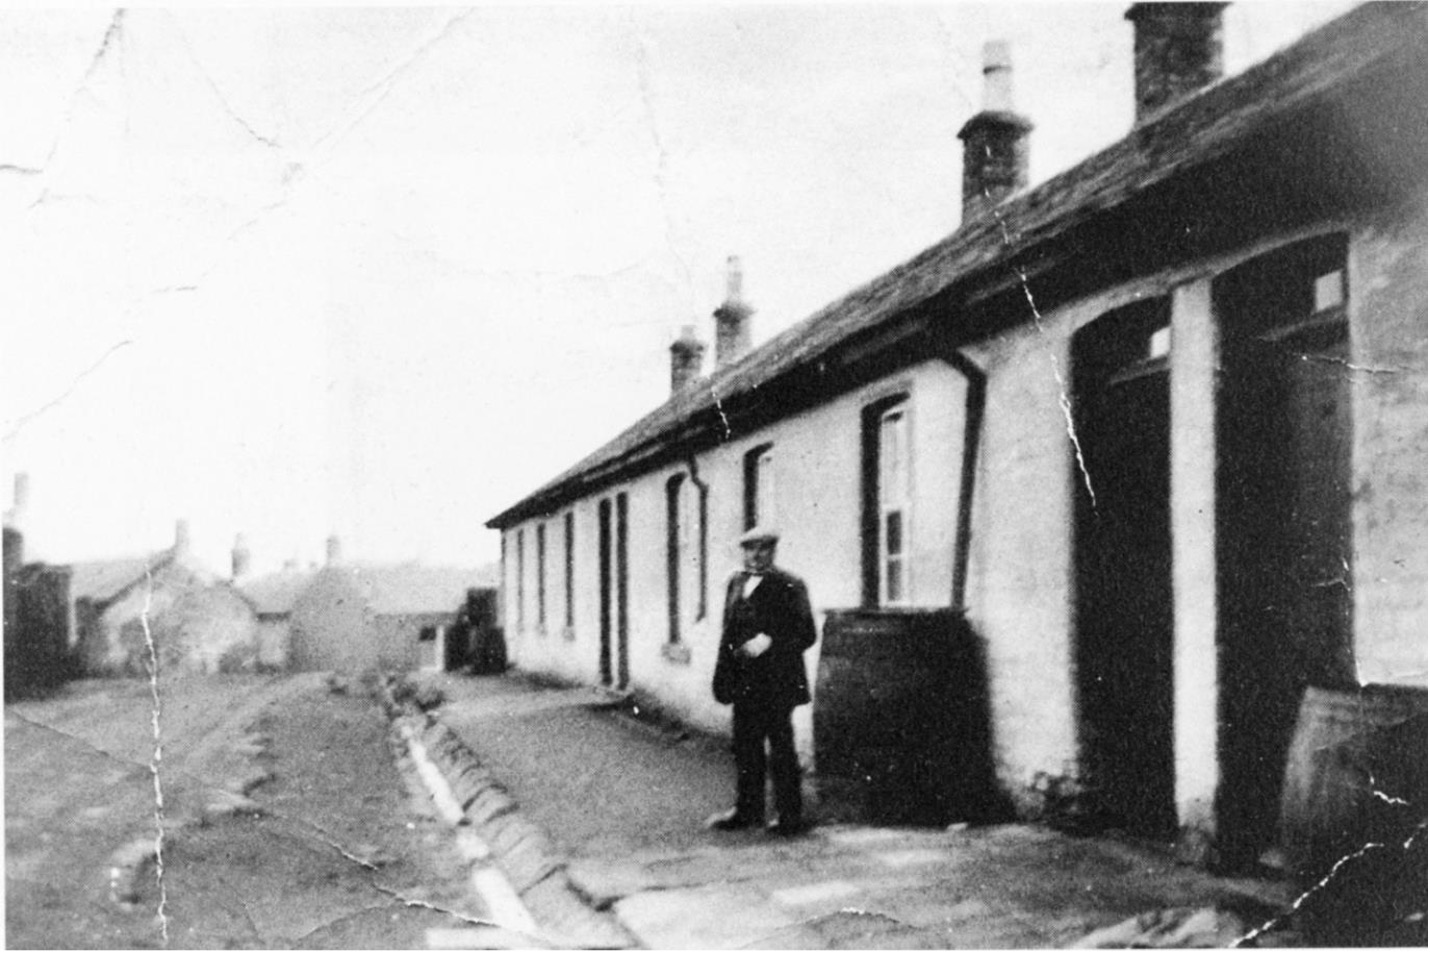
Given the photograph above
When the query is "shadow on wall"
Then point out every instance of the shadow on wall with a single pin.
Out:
(902, 720)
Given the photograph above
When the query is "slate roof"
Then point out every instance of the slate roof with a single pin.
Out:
(275, 593)
(413, 589)
(103, 580)
(1192, 134)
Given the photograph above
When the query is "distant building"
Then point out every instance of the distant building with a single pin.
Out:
(196, 622)
(354, 618)
(273, 597)
(1154, 430)
(117, 616)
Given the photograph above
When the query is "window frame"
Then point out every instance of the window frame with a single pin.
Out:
(759, 485)
(521, 579)
(894, 501)
(873, 581)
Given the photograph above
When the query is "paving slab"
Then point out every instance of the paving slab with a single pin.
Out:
(625, 809)
(713, 916)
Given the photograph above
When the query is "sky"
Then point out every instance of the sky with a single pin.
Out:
(380, 272)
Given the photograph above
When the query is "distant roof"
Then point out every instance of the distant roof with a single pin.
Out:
(102, 579)
(411, 588)
(1200, 130)
(275, 593)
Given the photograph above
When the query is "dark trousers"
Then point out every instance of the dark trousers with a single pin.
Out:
(754, 724)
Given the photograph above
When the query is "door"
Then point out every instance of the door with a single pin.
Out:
(1283, 517)
(1123, 567)
(603, 537)
(623, 659)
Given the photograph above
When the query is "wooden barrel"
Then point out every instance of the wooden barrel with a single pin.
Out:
(1355, 774)
(899, 711)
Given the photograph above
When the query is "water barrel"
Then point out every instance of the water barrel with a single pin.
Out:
(900, 718)
(1352, 801)
(1355, 773)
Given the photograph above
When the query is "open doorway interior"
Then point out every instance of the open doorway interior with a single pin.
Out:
(1283, 519)
(1123, 567)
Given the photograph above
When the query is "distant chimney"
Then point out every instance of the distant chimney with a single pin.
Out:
(1176, 51)
(181, 537)
(335, 551)
(732, 319)
(15, 515)
(241, 557)
(686, 356)
(995, 141)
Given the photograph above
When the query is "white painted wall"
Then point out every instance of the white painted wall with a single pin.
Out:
(817, 502)
(1387, 309)
(1020, 594)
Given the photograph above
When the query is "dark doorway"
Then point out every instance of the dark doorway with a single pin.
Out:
(603, 517)
(1283, 508)
(623, 661)
(1123, 567)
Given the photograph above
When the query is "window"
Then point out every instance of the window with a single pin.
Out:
(521, 579)
(570, 554)
(696, 548)
(893, 506)
(541, 576)
(686, 502)
(760, 486)
(887, 496)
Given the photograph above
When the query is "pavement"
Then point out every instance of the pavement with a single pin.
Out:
(622, 800)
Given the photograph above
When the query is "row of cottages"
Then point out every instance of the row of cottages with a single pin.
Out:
(1155, 430)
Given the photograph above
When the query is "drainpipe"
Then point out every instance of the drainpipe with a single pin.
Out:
(972, 433)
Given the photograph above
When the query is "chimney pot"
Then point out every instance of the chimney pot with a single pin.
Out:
(1177, 50)
(335, 551)
(995, 141)
(997, 76)
(181, 537)
(687, 354)
(732, 319)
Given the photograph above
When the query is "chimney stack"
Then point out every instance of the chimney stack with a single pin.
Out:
(1176, 51)
(335, 551)
(15, 515)
(732, 319)
(686, 356)
(995, 141)
(241, 557)
(181, 538)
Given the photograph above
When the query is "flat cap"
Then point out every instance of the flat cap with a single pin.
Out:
(760, 534)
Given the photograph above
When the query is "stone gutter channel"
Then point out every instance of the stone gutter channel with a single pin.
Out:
(512, 863)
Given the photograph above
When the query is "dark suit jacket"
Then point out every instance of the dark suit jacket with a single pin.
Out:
(779, 607)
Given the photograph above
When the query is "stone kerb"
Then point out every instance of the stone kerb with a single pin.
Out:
(521, 849)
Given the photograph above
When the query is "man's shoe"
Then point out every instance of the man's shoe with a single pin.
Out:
(731, 820)
(792, 828)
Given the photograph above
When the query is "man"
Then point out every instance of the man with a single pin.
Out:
(760, 671)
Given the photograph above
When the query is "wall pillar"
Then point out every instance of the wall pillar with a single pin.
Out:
(1194, 357)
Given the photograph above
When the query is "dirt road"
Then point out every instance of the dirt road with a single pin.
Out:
(328, 848)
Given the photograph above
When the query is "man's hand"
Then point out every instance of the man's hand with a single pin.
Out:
(757, 646)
